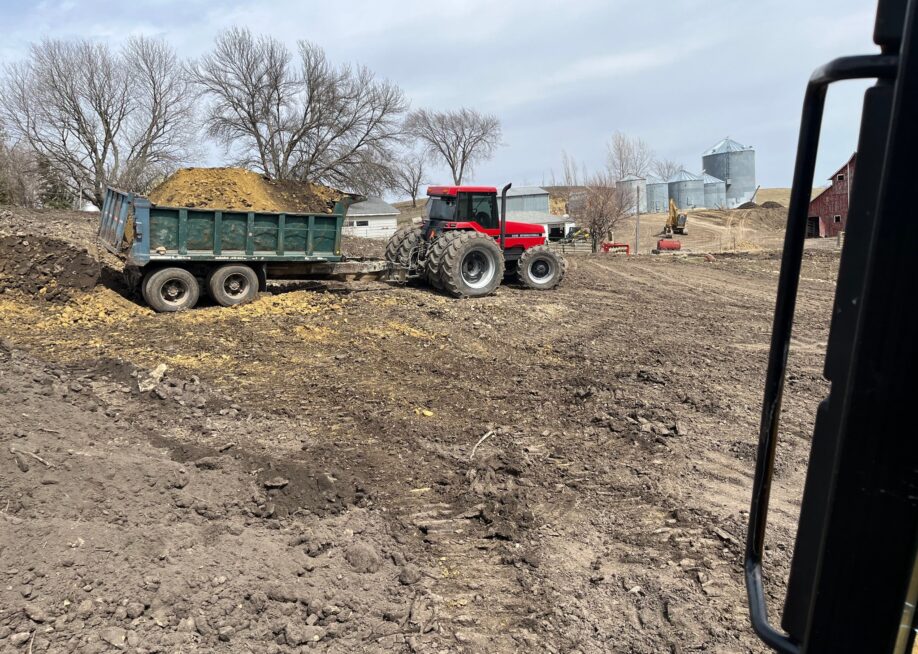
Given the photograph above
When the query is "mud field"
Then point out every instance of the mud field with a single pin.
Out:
(374, 468)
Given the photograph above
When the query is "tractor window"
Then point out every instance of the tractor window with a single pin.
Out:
(484, 211)
(441, 208)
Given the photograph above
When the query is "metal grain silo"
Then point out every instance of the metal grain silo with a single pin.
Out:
(735, 164)
(715, 192)
(635, 190)
(687, 190)
(657, 195)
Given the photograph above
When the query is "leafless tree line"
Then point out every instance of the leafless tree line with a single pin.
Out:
(93, 116)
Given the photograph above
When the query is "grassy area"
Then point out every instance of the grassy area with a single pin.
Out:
(779, 195)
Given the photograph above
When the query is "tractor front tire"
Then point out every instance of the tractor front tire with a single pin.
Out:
(400, 245)
(541, 268)
(472, 265)
(171, 289)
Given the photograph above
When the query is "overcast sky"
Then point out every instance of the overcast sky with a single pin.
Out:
(560, 76)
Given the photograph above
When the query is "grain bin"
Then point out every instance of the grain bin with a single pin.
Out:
(735, 164)
(657, 195)
(687, 190)
(715, 192)
(635, 193)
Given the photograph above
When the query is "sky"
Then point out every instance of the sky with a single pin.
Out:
(560, 76)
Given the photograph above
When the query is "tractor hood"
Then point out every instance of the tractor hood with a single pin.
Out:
(518, 229)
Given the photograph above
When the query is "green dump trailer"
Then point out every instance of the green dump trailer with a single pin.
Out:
(175, 254)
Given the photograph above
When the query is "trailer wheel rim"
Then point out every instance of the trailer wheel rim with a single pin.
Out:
(477, 269)
(541, 270)
(174, 291)
(236, 285)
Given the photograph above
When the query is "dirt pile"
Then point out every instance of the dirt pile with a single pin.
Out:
(771, 204)
(45, 267)
(240, 189)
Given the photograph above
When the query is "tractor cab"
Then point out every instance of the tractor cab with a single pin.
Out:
(476, 208)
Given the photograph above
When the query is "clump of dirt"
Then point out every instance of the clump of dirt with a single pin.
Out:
(46, 267)
(771, 204)
(240, 189)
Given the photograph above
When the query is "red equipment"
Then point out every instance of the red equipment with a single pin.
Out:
(668, 245)
(616, 247)
(466, 246)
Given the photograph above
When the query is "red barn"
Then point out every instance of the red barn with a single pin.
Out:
(829, 210)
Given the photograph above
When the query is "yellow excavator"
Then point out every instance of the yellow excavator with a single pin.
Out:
(675, 224)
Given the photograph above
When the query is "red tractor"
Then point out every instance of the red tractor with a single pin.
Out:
(465, 248)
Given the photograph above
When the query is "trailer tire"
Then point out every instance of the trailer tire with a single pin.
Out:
(435, 252)
(233, 284)
(171, 289)
(541, 268)
(472, 265)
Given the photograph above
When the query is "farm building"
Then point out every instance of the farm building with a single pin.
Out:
(371, 218)
(829, 210)
(530, 204)
(715, 192)
(635, 189)
(687, 190)
(525, 199)
(735, 164)
(657, 195)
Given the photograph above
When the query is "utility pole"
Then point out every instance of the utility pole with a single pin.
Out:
(637, 222)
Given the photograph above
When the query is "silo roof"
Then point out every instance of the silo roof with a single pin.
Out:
(710, 179)
(684, 176)
(633, 178)
(655, 180)
(727, 145)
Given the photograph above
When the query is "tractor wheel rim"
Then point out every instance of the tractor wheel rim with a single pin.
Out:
(541, 270)
(173, 291)
(236, 285)
(477, 269)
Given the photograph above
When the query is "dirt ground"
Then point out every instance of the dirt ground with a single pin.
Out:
(375, 468)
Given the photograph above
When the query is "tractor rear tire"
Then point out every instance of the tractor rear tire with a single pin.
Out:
(232, 284)
(171, 289)
(541, 268)
(401, 243)
(435, 252)
(472, 265)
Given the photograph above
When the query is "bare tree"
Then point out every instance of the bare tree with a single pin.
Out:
(599, 207)
(410, 174)
(666, 168)
(299, 118)
(98, 116)
(628, 155)
(461, 138)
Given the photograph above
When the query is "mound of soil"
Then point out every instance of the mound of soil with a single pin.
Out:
(748, 205)
(46, 267)
(240, 189)
(363, 248)
(771, 204)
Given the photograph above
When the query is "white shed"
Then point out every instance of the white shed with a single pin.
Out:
(371, 218)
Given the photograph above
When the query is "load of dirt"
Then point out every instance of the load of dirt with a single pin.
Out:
(355, 247)
(240, 189)
(748, 205)
(771, 204)
(46, 267)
